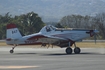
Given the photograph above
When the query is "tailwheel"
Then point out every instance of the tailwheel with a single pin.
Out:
(77, 50)
(11, 51)
(69, 50)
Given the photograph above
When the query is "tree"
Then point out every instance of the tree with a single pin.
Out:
(29, 23)
(99, 22)
(58, 25)
(76, 21)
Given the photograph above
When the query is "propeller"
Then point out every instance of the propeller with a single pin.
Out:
(95, 35)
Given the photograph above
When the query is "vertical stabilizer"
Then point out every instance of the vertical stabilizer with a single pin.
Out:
(12, 32)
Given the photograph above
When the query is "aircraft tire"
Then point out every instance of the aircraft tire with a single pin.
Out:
(11, 51)
(77, 50)
(68, 50)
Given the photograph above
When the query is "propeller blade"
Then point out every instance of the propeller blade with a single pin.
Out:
(95, 38)
(95, 35)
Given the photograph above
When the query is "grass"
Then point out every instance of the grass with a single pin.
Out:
(91, 44)
(79, 44)
(3, 44)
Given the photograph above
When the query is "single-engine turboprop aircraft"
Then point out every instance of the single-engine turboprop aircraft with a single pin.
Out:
(49, 35)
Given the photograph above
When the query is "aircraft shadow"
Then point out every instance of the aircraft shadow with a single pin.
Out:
(24, 53)
(64, 54)
(60, 54)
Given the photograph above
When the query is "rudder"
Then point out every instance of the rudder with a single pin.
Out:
(12, 32)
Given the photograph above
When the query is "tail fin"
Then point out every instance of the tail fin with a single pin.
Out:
(12, 32)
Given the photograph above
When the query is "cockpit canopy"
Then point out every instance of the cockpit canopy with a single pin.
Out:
(48, 28)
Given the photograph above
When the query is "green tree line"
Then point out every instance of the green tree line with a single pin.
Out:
(27, 23)
(31, 23)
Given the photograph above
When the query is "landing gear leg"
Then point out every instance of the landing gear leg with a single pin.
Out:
(12, 50)
(68, 49)
(77, 50)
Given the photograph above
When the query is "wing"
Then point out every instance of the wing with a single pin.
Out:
(47, 39)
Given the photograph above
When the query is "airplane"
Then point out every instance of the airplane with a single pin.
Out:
(49, 35)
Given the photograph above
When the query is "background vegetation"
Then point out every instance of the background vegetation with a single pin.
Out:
(31, 23)
(87, 22)
(27, 23)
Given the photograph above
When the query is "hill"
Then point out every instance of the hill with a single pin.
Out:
(52, 10)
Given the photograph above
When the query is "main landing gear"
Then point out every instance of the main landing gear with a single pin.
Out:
(12, 50)
(69, 50)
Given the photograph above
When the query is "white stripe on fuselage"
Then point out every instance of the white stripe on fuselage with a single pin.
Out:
(72, 35)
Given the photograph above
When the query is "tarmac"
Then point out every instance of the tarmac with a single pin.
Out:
(51, 59)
